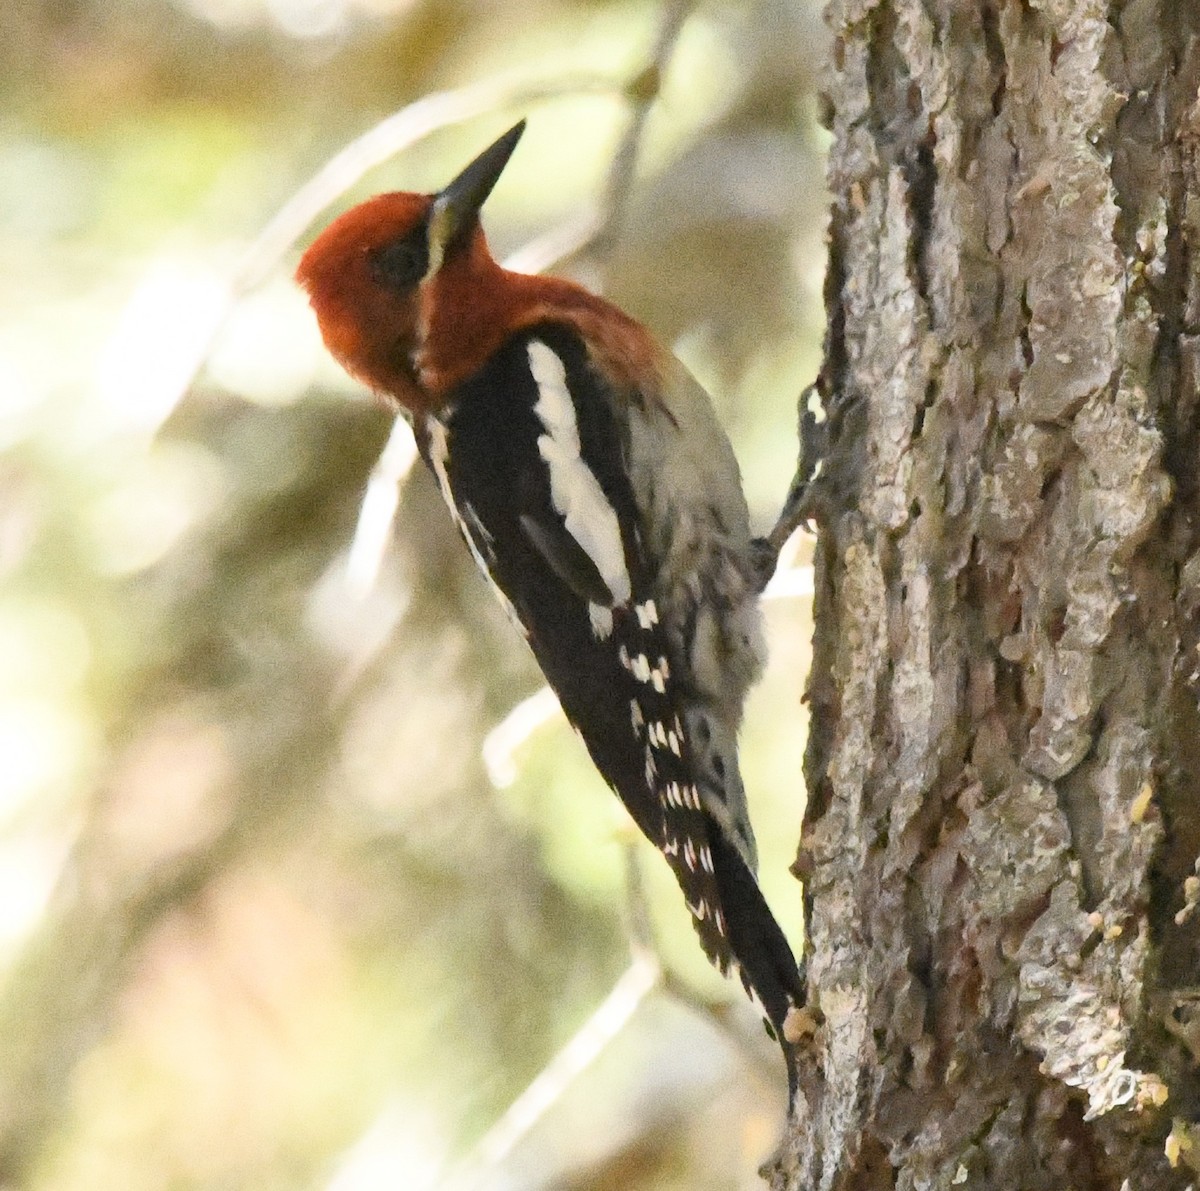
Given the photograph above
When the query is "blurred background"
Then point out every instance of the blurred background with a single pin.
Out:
(301, 881)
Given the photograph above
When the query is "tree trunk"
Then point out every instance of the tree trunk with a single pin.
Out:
(1000, 846)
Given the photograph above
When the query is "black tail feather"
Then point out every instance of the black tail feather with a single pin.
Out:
(767, 966)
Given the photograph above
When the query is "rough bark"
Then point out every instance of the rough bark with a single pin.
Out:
(1000, 846)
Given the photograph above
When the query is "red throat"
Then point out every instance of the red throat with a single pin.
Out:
(369, 329)
(472, 305)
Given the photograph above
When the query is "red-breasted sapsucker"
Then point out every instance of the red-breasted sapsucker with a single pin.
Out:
(588, 474)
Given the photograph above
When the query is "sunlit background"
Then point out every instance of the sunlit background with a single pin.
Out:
(296, 890)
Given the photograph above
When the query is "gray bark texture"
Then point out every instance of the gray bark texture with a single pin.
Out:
(1000, 847)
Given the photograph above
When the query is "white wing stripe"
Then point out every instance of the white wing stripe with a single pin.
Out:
(574, 489)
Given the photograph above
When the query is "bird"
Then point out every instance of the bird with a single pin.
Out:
(596, 490)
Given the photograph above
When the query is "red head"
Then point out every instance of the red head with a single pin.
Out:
(410, 301)
(378, 274)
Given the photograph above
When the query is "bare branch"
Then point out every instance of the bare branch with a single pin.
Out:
(378, 509)
(641, 978)
(642, 93)
(502, 742)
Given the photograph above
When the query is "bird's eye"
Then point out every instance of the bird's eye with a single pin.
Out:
(402, 264)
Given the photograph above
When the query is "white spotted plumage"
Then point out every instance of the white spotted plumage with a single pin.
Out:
(689, 855)
(647, 614)
(601, 619)
(687, 742)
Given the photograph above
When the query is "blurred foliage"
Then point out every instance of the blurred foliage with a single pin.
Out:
(267, 923)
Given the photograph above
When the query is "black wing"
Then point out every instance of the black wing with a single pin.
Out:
(585, 596)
